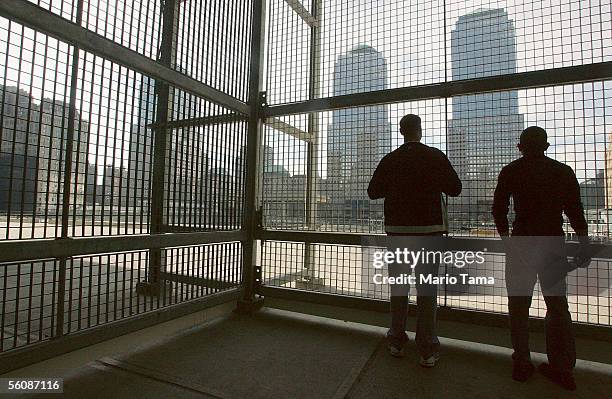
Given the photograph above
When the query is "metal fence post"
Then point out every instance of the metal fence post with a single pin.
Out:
(309, 280)
(67, 178)
(163, 93)
(250, 219)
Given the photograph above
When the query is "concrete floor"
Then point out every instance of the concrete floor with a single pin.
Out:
(280, 354)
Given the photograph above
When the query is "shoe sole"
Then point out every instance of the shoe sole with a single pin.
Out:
(427, 364)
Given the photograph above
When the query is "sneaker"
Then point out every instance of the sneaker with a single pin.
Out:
(430, 361)
(521, 371)
(397, 351)
(564, 379)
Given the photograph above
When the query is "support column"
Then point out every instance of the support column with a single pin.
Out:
(163, 94)
(67, 177)
(251, 221)
(309, 279)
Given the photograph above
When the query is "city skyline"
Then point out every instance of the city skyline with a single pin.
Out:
(411, 51)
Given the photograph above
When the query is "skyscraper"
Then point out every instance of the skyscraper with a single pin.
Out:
(485, 128)
(140, 158)
(357, 137)
(32, 153)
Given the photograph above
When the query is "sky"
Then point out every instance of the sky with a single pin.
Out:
(410, 35)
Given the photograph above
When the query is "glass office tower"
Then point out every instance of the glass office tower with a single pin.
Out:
(485, 128)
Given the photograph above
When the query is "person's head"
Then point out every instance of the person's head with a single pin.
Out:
(533, 141)
(410, 127)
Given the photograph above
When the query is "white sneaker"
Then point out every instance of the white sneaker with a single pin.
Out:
(430, 361)
(397, 351)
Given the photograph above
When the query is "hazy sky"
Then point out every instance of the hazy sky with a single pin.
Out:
(410, 35)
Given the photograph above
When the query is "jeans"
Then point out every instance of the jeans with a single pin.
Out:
(522, 272)
(426, 339)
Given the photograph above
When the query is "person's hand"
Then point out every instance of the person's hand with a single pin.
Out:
(582, 260)
(508, 245)
(583, 257)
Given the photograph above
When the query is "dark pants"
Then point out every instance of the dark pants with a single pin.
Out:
(522, 271)
(426, 338)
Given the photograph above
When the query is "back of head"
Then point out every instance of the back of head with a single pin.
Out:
(410, 127)
(533, 141)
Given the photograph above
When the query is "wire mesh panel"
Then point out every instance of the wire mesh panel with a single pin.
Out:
(478, 132)
(134, 24)
(358, 41)
(102, 288)
(427, 42)
(112, 158)
(113, 107)
(34, 88)
(201, 270)
(284, 172)
(288, 54)
(94, 148)
(334, 269)
(491, 37)
(205, 166)
(64, 8)
(111, 188)
(213, 43)
(342, 151)
(29, 302)
(483, 131)
(348, 270)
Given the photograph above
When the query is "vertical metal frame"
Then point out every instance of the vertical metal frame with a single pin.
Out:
(163, 95)
(312, 166)
(250, 221)
(67, 177)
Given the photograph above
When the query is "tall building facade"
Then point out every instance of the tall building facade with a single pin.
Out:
(32, 153)
(485, 128)
(181, 155)
(140, 159)
(358, 137)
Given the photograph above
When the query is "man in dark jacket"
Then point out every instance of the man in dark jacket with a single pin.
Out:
(542, 189)
(411, 180)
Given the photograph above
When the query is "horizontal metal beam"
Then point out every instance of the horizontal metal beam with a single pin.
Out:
(515, 81)
(370, 240)
(446, 313)
(317, 237)
(46, 22)
(23, 250)
(492, 245)
(203, 121)
(300, 10)
(287, 128)
(198, 281)
(274, 123)
(18, 358)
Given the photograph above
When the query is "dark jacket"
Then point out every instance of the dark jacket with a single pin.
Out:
(412, 179)
(542, 189)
